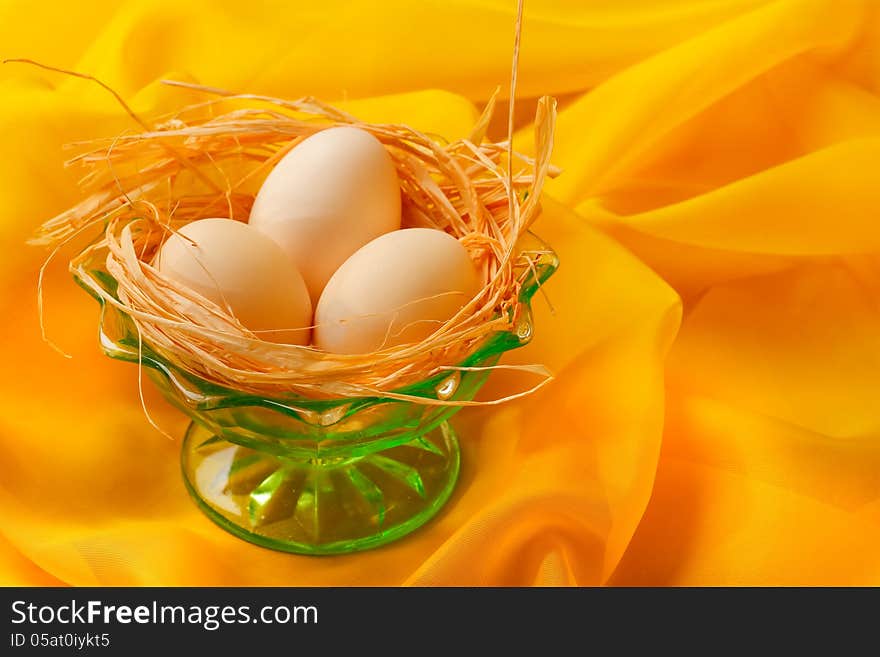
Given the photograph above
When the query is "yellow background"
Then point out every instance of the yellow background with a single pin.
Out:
(716, 337)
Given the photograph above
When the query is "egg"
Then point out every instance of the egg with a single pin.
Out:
(244, 272)
(330, 195)
(397, 289)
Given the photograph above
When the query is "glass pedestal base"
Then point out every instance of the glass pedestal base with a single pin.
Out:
(318, 505)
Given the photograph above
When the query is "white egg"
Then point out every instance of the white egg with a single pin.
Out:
(398, 289)
(330, 195)
(244, 272)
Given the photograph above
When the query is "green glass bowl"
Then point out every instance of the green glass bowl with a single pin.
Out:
(317, 476)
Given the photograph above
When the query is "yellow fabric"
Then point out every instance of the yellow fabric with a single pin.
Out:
(716, 335)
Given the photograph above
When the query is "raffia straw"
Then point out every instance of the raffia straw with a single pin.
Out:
(143, 187)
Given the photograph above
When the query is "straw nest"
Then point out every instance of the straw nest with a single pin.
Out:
(208, 159)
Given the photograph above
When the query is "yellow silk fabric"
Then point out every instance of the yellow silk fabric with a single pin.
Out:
(715, 333)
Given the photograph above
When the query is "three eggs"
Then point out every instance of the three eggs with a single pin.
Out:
(325, 234)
